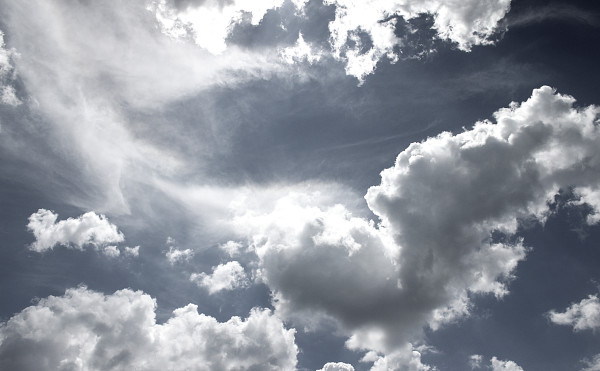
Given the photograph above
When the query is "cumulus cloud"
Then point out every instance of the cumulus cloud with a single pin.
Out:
(226, 276)
(465, 23)
(362, 33)
(175, 255)
(584, 315)
(87, 229)
(448, 211)
(337, 366)
(499, 365)
(86, 330)
(402, 359)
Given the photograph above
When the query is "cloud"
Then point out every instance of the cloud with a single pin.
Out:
(226, 276)
(475, 361)
(402, 359)
(337, 366)
(301, 51)
(111, 251)
(132, 251)
(7, 74)
(584, 315)
(174, 255)
(448, 211)
(89, 94)
(209, 22)
(592, 364)
(87, 229)
(88, 330)
(465, 23)
(232, 248)
(549, 12)
(362, 33)
(498, 365)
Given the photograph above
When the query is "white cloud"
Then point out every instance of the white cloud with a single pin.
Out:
(86, 330)
(301, 51)
(499, 365)
(226, 276)
(402, 359)
(175, 255)
(88, 88)
(209, 22)
(584, 315)
(132, 251)
(438, 205)
(7, 74)
(336, 366)
(111, 251)
(465, 23)
(592, 364)
(87, 229)
(232, 248)
(475, 361)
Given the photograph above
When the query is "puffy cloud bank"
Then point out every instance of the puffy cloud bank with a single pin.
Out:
(226, 276)
(448, 211)
(86, 330)
(87, 229)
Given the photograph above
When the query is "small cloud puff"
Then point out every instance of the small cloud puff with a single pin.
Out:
(226, 276)
(175, 255)
(584, 315)
(499, 365)
(232, 248)
(337, 366)
(87, 229)
(476, 362)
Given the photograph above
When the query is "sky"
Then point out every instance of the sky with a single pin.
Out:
(325, 185)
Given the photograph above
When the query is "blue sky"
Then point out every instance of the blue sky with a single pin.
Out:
(288, 184)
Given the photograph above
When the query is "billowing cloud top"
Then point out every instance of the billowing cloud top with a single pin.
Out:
(86, 330)
(419, 266)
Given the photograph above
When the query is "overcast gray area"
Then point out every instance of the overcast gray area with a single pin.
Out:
(299, 185)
